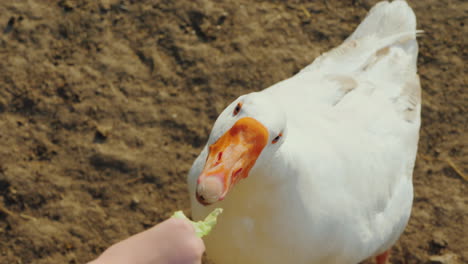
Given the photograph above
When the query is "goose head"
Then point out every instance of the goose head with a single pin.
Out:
(245, 135)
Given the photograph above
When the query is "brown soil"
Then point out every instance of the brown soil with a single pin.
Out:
(105, 104)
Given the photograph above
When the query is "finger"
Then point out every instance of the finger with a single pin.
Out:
(181, 224)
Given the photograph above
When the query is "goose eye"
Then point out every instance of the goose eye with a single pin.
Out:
(237, 109)
(277, 138)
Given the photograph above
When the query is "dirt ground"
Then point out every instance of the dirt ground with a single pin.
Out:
(105, 104)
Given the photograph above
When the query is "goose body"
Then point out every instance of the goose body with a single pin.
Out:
(318, 168)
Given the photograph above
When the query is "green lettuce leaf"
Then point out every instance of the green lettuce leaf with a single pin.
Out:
(202, 228)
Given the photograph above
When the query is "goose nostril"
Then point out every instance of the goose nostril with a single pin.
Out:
(218, 158)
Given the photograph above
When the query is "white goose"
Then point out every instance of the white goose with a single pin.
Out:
(318, 168)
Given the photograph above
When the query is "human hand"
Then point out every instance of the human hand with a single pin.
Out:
(170, 242)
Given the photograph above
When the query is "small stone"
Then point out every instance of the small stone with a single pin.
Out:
(102, 133)
(438, 243)
(134, 202)
(448, 258)
(439, 239)
(66, 5)
(107, 4)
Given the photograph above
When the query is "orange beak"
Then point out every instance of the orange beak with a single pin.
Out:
(230, 159)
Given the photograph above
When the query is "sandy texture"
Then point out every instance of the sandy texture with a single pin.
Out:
(105, 104)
